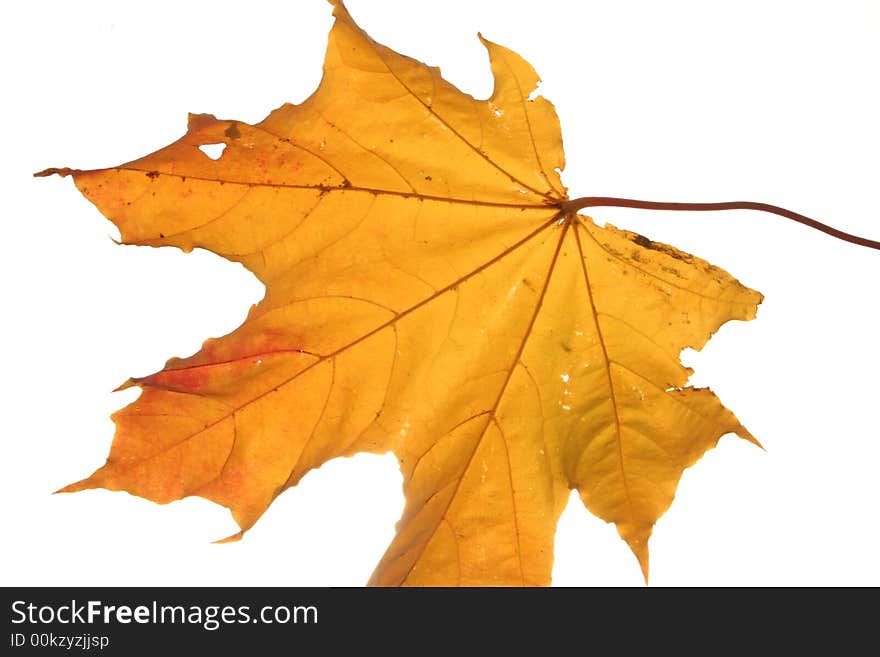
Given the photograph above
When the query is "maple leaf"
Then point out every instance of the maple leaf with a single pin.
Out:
(431, 291)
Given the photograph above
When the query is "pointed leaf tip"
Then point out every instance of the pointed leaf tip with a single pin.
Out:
(52, 171)
(229, 539)
(130, 383)
(640, 550)
(75, 487)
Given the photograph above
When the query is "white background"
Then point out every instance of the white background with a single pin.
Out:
(690, 101)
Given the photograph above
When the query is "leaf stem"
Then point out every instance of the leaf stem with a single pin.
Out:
(608, 201)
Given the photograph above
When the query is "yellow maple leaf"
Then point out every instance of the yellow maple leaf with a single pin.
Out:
(431, 291)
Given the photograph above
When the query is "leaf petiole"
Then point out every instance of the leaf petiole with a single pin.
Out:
(608, 201)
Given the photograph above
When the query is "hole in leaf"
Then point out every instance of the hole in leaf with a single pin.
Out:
(214, 151)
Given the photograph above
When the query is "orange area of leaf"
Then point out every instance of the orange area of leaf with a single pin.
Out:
(427, 294)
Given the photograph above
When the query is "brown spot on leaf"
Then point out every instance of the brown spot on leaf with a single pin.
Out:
(232, 131)
(643, 241)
